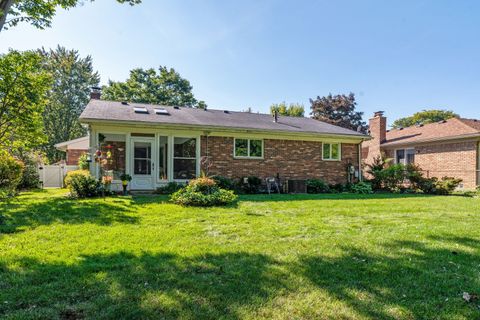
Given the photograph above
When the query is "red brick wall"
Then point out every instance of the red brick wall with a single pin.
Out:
(291, 159)
(458, 159)
(73, 155)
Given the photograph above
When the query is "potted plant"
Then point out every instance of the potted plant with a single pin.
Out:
(126, 178)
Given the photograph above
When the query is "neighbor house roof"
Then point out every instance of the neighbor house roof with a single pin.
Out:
(78, 144)
(118, 112)
(455, 128)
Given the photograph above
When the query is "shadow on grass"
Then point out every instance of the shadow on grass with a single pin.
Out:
(125, 286)
(410, 280)
(326, 196)
(19, 214)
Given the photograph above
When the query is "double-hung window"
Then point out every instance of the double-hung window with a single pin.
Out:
(405, 156)
(248, 148)
(331, 151)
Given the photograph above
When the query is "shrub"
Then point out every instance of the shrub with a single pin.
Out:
(11, 171)
(84, 186)
(83, 162)
(169, 188)
(393, 177)
(224, 182)
(203, 192)
(446, 185)
(68, 177)
(361, 188)
(340, 187)
(252, 186)
(317, 186)
(375, 170)
(30, 177)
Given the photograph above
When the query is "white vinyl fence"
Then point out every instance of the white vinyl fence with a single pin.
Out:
(52, 175)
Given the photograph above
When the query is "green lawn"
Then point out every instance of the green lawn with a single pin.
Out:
(269, 257)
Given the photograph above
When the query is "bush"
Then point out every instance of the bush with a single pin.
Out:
(340, 187)
(84, 186)
(317, 186)
(252, 186)
(11, 171)
(375, 170)
(446, 185)
(30, 177)
(224, 182)
(83, 163)
(169, 188)
(68, 177)
(361, 188)
(203, 192)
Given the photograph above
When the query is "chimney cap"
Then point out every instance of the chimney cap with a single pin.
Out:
(378, 113)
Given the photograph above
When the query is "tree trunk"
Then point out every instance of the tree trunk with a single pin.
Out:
(5, 6)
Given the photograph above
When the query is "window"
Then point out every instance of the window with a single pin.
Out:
(110, 154)
(185, 158)
(163, 158)
(331, 151)
(405, 156)
(248, 148)
(142, 158)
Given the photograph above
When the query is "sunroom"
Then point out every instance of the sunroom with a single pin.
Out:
(151, 158)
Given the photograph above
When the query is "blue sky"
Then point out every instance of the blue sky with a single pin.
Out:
(397, 56)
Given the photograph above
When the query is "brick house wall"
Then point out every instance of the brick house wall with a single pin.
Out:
(291, 159)
(73, 155)
(455, 159)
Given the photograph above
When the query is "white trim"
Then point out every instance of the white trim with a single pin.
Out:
(248, 149)
(339, 151)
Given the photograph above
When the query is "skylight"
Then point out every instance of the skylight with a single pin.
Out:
(161, 111)
(140, 110)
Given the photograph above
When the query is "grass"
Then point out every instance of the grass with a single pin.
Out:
(268, 257)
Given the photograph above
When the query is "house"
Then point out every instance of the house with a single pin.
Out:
(159, 144)
(74, 149)
(446, 148)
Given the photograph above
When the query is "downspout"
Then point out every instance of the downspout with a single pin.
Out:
(360, 171)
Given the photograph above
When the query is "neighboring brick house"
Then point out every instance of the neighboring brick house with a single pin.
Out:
(159, 144)
(446, 148)
(74, 149)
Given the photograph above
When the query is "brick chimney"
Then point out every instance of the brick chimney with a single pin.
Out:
(378, 132)
(96, 93)
(378, 127)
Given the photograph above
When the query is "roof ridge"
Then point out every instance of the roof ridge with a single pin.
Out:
(461, 120)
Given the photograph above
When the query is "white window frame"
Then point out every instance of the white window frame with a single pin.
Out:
(248, 148)
(405, 155)
(339, 151)
(197, 157)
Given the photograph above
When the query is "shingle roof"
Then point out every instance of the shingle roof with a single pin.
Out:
(101, 110)
(449, 129)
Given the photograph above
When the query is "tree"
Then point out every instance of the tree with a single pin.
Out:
(292, 110)
(73, 78)
(38, 13)
(23, 89)
(166, 87)
(424, 117)
(338, 110)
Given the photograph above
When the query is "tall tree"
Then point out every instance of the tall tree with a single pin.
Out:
(424, 117)
(39, 13)
(166, 87)
(73, 77)
(338, 110)
(292, 110)
(23, 89)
